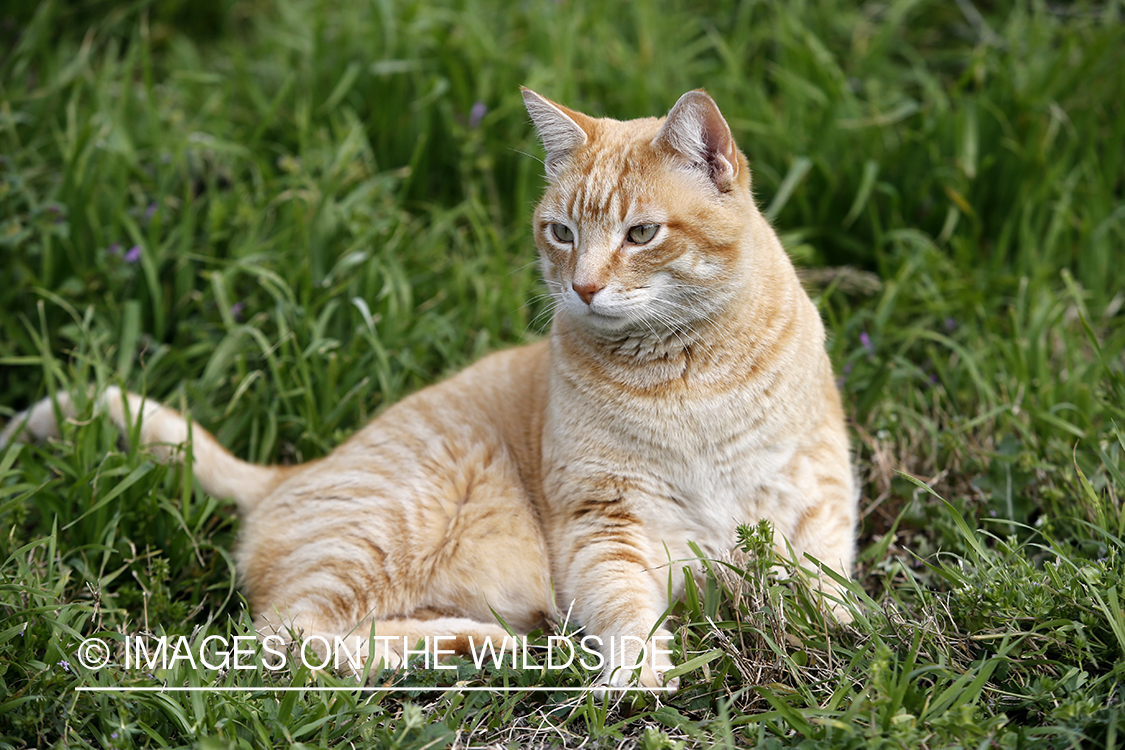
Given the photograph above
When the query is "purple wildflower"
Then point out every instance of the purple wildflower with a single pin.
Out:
(65, 665)
(150, 211)
(866, 341)
(113, 736)
(477, 113)
(950, 324)
(133, 255)
(114, 249)
(236, 310)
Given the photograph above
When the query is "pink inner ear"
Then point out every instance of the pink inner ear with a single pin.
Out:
(717, 134)
(696, 130)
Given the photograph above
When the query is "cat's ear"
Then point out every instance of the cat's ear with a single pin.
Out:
(696, 131)
(558, 128)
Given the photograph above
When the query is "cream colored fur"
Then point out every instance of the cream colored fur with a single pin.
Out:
(684, 390)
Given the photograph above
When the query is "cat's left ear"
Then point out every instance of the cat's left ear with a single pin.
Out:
(696, 131)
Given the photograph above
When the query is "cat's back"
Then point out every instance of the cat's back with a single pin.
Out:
(492, 409)
(399, 517)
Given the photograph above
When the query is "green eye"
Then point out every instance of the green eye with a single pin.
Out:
(642, 233)
(562, 233)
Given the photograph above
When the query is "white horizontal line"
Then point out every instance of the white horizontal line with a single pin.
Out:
(360, 688)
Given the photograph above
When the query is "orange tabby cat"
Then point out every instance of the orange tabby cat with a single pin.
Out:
(684, 390)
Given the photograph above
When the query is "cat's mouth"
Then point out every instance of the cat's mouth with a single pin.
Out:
(611, 312)
(614, 323)
(601, 312)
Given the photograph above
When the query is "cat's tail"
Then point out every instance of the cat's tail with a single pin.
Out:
(165, 433)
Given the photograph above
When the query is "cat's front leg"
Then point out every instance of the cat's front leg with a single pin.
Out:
(630, 660)
(619, 585)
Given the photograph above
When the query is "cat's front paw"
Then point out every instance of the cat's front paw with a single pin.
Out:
(632, 665)
(646, 678)
(835, 601)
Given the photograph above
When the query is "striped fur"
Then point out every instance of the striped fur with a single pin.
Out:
(684, 390)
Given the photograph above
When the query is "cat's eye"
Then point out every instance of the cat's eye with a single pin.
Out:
(562, 233)
(642, 233)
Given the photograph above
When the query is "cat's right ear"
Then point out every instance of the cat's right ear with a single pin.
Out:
(558, 128)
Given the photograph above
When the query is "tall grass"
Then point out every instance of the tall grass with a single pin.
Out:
(284, 215)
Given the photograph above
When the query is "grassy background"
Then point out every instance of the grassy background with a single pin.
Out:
(286, 214)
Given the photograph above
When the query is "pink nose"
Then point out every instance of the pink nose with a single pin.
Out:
(586, 291)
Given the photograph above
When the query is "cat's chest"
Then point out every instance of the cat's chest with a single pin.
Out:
(700, 463)
(709, 457)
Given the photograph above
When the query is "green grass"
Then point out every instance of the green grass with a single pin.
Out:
(322, 225)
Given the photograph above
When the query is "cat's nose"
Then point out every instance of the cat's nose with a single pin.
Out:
(587, 291)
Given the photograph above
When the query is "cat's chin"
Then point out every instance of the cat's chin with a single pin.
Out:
(601, 322)
(622, 321)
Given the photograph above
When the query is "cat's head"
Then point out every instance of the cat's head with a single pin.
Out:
(644, 222)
